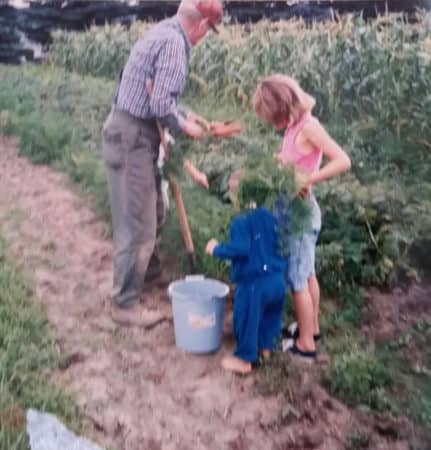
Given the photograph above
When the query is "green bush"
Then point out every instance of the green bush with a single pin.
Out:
(44, 138)
(358, 376)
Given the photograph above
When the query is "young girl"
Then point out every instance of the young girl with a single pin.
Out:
(280, 101)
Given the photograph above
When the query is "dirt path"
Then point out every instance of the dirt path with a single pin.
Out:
(137, 389)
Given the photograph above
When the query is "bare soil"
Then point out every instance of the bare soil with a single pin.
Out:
(138, 391)
(389, 314)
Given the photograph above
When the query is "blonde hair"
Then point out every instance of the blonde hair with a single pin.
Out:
(279, 98)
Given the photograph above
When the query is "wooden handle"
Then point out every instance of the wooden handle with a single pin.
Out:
(182, 216)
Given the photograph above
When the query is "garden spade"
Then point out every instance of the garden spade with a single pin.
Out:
(178, 198)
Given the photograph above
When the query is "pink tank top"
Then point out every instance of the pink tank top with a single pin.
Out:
(307, 162)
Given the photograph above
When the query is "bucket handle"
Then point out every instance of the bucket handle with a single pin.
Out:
(187, 278)
(195, 277)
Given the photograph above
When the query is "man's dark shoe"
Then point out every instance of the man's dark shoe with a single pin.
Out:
(152, 274)
(137, 315)
(154, 269)
(159, 282)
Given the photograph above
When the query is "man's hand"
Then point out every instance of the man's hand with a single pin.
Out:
(211, 245)
(194, 130)
(193, 117)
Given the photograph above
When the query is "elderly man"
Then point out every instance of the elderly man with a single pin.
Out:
(131, 141)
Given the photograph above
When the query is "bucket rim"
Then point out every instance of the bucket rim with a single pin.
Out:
(171, 286)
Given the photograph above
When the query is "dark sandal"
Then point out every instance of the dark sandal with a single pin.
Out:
(286, 333)
(310, 356)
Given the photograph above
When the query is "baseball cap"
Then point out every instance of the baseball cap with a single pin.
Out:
(212, 10)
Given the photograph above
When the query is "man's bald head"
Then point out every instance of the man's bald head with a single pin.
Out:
(198, 16)
(188, 10)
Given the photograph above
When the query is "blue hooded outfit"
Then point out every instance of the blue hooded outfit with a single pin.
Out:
(259, 273)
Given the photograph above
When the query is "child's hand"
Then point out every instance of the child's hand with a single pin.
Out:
(211, 245)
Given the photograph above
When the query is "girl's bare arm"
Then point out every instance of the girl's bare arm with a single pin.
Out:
(339, 161)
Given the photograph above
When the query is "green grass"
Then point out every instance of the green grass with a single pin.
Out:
(59, 118)
(360, 377)
(27, 354)
(409, 360)
(390, 378)
(357, 441)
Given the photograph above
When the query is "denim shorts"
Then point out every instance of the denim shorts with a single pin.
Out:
(302, 252)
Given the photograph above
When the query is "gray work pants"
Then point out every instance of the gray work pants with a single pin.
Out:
(130, 150)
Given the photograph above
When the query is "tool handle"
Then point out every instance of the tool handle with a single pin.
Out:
(181, 212)
(176, 192)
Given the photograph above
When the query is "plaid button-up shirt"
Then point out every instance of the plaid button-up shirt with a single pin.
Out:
(161, 55)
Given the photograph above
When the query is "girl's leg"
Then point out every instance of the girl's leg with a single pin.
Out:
(314, 289)
(300, 272)
(305, 315)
